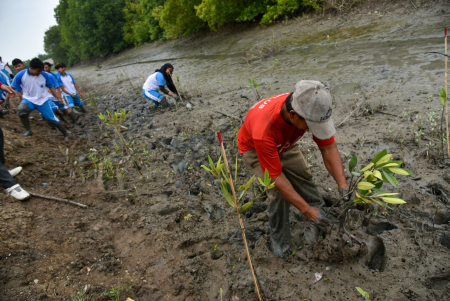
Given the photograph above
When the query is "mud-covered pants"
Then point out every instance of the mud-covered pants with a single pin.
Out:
(6, 180)
(297, 172)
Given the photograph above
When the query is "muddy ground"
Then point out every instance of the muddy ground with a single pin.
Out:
(173, 236)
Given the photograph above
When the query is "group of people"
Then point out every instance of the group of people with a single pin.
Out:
(51, 94)
(267, 140)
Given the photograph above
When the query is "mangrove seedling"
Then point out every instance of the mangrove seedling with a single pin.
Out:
(367, 182)
(364, 293)
(115, 120)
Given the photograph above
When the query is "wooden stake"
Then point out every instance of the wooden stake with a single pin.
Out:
(57, 199)
(176, 88)
(446, 92)
(241, 223)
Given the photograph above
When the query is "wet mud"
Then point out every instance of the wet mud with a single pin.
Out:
(173, 236)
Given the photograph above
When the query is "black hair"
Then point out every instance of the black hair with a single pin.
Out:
(288, 103)
(36, 63)
(163, 71)
(17, 62)
(60, 65)
(47, 64)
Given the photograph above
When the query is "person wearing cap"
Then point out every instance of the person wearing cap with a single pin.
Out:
(267, 141)
(156, 83)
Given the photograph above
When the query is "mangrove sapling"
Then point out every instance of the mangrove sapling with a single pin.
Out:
(115, 120)
(364, 293)
(222, 172)
(443, 97)
(367, 182)
(252, 81)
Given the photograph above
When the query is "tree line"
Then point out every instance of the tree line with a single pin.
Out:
(96, 28)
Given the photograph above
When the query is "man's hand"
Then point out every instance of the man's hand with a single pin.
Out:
(344, 193)
(81, 94)
(9, 89)
(318, 217)
(61, 101)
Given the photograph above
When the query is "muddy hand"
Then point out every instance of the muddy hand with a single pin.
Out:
(318, 216)
(344, 193)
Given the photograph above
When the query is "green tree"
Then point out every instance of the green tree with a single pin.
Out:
(91, 27)
(141, 26)
(178, 17)
(52, 44)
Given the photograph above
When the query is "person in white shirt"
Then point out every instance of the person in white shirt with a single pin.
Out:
(69, 87)
(32, 85)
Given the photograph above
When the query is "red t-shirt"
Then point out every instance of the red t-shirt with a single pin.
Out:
(265, 131)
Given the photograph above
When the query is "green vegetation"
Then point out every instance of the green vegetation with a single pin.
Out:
(96, 28)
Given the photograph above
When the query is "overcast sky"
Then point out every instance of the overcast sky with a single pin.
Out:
(23, 24)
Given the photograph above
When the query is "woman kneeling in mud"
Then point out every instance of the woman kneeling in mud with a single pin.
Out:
(156, 83)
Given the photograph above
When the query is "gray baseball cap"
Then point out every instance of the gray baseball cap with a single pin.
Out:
(312, 101)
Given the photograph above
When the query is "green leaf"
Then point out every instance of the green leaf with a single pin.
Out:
(377, 174)
(246, 206)
(247, 185)
(385, 194)
(387, 164)
(227, 196)
(358, 200)
(206, 168)
(367, 173)
(443, 96)
(218, 162)
(356, 174)
(383, 160)
(266, 178)
(379, 156)
(352, 163)
(261, 182)
(242, 194)
(401, 171)
(272, 185)
(365, 185)
(388, 178)
(211, 163)
(392, 200)
(367, 167)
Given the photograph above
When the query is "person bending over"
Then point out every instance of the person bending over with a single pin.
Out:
(268, 140)
(156, 83)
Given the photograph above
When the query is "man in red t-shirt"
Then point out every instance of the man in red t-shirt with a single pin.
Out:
(267, 140)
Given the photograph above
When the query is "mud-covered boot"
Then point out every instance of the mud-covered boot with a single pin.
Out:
(73, 117)
(63, 130)
(26, 123)
(83, 110)
(60, 116)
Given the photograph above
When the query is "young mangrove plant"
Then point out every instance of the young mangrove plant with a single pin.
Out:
(367, 182)
(222, 172)
(115, 120)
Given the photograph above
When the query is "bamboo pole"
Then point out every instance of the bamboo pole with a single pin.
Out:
(446, 92)
(188, 104)
(241, 223)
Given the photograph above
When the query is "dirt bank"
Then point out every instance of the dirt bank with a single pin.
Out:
(173, 237)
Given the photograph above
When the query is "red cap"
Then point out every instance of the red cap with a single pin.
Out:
(219, 136)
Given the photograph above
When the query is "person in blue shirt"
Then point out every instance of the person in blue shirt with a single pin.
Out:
(61, 107)
(69, 87)
(157, 82)
(32, 85)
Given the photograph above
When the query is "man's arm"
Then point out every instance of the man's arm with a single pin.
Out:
(288, 192)
(57, 96)
(8, 89)
(78, 89)
(333, 163)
